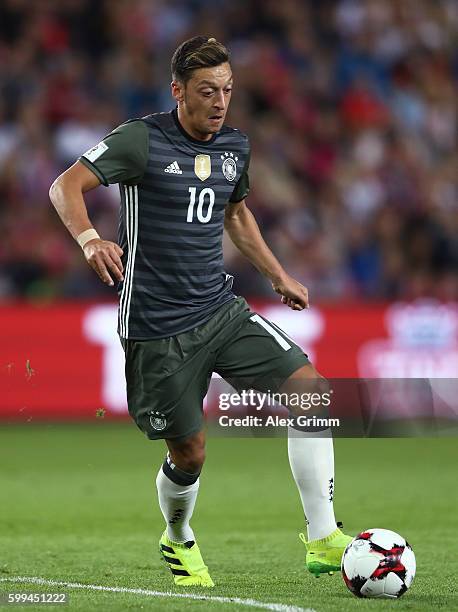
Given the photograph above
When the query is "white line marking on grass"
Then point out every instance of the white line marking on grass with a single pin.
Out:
(253, 603)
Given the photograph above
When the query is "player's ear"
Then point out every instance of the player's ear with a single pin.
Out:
(177, 90)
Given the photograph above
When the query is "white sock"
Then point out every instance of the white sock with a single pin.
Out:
(311, 457)
(177, 505)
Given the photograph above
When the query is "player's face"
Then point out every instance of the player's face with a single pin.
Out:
(204, 100)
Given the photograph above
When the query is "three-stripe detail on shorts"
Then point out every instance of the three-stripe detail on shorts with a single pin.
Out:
(273, 332)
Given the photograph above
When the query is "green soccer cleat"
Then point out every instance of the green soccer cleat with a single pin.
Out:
(325, 555)
(185, 562)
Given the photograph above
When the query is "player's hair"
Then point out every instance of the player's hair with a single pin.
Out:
(197, 52)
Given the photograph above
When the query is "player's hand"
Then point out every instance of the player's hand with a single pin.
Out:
(105, 258)
(293, 294)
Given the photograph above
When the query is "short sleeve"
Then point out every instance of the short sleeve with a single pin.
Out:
(122, 156)
(242, 187)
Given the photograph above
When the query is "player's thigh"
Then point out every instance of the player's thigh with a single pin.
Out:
(166, 384)
(259, 355)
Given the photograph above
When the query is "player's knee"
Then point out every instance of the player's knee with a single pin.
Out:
(306, 390)
(192, 460)
(195, 463)
(322, 384)
(306, 372)
(188, 455)
(306, 379)
(191, 463)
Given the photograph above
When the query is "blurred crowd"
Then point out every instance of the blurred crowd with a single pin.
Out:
(349, 106)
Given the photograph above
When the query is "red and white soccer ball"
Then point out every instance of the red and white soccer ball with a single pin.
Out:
(378, 563)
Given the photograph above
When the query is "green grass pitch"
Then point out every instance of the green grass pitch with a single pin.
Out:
(78, 504)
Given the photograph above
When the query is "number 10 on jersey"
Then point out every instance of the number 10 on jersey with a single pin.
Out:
(203, 218)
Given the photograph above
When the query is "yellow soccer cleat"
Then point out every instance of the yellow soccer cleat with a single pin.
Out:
(185, 562)
(324, 556)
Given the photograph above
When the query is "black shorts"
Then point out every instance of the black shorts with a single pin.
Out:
(167, 379)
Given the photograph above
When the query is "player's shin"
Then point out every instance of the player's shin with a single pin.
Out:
(177, 494)
(311, 457)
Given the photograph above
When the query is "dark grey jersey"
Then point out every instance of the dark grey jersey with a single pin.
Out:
(174, 190)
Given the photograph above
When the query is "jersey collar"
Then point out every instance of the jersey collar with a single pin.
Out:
(203, 143)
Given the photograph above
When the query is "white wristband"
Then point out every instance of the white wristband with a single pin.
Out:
(85, 236)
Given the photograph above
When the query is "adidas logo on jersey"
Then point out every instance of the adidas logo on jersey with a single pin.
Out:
(173, 168)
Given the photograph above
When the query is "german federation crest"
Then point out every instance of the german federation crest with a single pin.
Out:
(158, 421)
(229, 167)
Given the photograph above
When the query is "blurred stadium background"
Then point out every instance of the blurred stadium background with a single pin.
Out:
(350, 108)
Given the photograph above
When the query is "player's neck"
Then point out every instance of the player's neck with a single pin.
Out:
(187, 126)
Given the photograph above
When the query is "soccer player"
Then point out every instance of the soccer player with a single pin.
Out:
(183, 177)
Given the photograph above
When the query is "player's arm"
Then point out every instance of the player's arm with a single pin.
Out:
(121, 157)
(244, 232)
(66, 195)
